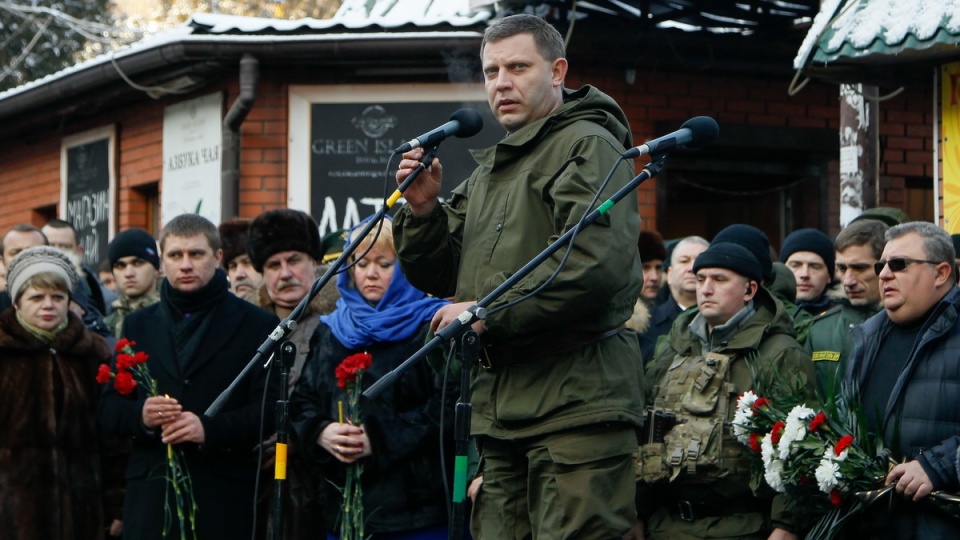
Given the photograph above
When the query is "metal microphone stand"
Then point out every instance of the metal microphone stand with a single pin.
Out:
(288, 353)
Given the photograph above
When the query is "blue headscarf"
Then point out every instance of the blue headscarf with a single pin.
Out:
(397, 316)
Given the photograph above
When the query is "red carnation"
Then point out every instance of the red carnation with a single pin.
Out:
(123, 343)
(124, 362)
(347, 370)
(755, 442)
(760, 402)
(835, 498)
(777, 431)
(124, 382)
(843, 444)
(140, 357)
(103, 374)
(817, 421)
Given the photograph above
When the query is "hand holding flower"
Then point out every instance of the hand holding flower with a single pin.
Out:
(159, 410)
(346, 442)
(187, 427)
(911, 480)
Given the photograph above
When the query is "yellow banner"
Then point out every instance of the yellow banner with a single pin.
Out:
(950, 120)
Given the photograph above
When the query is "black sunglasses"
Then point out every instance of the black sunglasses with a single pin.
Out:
(899, 264)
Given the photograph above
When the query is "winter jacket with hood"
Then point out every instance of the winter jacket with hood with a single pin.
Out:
(569, 367)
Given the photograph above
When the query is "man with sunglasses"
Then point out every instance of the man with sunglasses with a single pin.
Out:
(858, 246)
(905, 362)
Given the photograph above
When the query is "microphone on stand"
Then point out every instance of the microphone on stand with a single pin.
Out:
(463, 123)
(694, 134)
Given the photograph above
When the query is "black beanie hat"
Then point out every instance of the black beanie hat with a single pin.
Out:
(282, 230)
(755, 241)
(651, 248)
(732, 257)
(233, 238)
(133, 243)
(810, 240)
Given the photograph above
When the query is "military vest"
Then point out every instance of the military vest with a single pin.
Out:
(696, 397)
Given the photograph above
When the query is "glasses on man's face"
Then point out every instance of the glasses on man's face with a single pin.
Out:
(899, 264)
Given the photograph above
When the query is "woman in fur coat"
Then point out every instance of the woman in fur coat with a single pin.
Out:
(49, 462)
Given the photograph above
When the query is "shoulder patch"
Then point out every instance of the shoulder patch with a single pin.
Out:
(830, 356)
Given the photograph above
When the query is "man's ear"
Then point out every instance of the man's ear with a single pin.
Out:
(559, 71)
(752, 287)
(944, 274)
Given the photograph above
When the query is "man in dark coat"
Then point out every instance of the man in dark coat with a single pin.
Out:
(199, 337)
(905, 363)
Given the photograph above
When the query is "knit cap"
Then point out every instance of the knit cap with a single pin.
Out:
(754, 240)
(36, 260)
(133, 243)
(811, 240)
(731, 257)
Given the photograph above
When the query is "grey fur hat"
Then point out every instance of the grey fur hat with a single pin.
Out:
(36, 260)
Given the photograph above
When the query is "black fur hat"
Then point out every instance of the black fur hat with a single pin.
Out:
(233, 238)
(651, 248)
(282, 230)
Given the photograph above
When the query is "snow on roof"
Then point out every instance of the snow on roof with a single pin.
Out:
(856, 28)
(210, 27)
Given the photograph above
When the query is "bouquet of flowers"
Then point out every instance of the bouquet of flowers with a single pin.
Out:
(132, 371)
(349, 374)
(814, 457)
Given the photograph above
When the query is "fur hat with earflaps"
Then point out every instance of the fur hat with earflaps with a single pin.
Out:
(282, 230)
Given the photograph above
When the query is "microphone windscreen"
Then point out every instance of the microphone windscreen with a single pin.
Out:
(470, 122)
(703, 131)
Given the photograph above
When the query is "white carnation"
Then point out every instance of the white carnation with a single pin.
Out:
(766, 450)
(742, 421)
(773, 474)
(828, 472)
(746, 400)
(795, 429)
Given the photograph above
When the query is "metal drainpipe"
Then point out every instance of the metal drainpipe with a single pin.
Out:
(230, 168)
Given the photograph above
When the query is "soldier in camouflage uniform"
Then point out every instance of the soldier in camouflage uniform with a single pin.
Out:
(758, 244)
(694, 477)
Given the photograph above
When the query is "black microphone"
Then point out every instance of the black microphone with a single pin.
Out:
(694, 134)
(463, 123)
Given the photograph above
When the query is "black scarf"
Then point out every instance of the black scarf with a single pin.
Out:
(185, 314)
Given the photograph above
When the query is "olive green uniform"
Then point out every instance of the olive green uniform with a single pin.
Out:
(830, 342)
(557, 406)
(694, 478)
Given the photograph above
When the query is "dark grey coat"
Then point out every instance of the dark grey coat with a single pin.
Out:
(925, 407)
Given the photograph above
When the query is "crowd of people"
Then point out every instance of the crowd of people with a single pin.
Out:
(608, 377)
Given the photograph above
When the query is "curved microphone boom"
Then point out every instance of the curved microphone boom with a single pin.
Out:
(694, 134)
(463, 123)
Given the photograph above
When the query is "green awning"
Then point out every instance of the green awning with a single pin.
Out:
(881, 32)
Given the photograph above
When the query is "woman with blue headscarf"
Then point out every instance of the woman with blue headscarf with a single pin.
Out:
(381, 314)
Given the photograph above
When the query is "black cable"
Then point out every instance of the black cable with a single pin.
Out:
(256, 482)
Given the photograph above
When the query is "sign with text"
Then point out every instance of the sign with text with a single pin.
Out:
(87, 182)
(351, 146)
(192, 140)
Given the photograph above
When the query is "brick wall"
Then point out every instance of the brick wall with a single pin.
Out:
(31, 174)
(672, 97)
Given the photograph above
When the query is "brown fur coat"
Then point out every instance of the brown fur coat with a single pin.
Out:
(49, 463)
